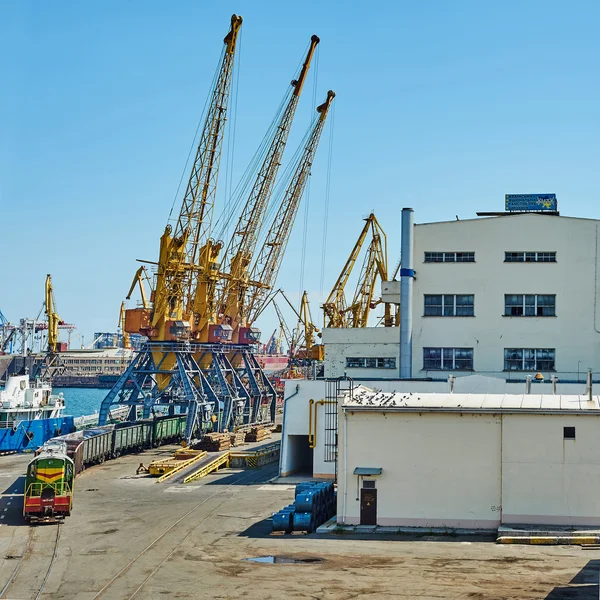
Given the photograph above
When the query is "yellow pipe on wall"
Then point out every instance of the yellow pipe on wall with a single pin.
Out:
(312, 429)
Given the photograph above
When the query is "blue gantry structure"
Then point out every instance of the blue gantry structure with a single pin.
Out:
(220, 387)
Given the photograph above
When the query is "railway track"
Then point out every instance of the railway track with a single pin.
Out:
(29, 554)
(123, 572)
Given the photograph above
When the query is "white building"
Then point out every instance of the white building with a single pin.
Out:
(493, 301)
(470, 461)
(504, 296)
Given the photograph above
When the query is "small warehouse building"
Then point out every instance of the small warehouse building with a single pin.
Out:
(468, 461)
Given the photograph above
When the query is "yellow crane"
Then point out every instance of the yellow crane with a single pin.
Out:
(53, 319)
(187, 255)
(269, 260)
(336, 310)
(238, 256)
(304, 344)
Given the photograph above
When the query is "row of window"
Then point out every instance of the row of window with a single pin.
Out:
(515, 305)
(444, 257)
(371, 363)
(92, 361)
(461, 359)
(515, 359)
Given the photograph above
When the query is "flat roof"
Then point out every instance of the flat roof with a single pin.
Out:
(363, 398)
(507, 215)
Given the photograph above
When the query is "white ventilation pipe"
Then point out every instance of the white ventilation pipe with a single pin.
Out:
(407, 275)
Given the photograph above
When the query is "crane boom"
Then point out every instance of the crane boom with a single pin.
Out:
(374, 265)
(269, 260)
(53, 318)
(240, 250)
(182, 256)
(138, 279)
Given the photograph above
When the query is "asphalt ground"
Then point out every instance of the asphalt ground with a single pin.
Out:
(129, 537)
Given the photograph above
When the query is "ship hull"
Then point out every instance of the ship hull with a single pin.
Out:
(29, 435)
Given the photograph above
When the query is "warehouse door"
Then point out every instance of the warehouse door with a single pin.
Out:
(368, 506)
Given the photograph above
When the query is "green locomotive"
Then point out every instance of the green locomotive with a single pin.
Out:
(49, 484)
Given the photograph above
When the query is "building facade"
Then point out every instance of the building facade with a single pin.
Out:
(468, 461)
(506, 296)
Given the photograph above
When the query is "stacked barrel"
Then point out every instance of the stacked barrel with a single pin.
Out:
(315, 503)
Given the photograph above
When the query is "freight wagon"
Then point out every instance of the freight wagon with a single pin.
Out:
(94, 446)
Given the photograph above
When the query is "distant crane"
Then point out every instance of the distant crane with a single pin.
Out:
(338, 313)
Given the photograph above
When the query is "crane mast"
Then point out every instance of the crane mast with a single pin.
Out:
(186, 253)
(269, 260)
(240, 250)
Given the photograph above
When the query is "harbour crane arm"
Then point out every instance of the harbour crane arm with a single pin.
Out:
(239, 253)
(53, 318)
(138, 279)
(183, 255)
(124, 334)
(374, 266)
(334, 307)
(284, 330)
(308, 331)
(268, 263)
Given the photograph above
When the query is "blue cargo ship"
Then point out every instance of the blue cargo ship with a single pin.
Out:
(30, 414)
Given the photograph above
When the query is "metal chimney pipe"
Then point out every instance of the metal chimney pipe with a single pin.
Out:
(554, 382)
(528, 384)
(407, 275)
(589, 385)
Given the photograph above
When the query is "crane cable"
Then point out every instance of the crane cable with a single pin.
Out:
(327, 196)
(307, 202)
(193, 144)
(229, 157)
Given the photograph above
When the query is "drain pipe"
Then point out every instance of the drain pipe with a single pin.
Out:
(407, 275)
(345, 465)
(451, 380)
(283, 426)
(589, 385)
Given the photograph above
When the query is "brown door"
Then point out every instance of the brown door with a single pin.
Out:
(368, 506)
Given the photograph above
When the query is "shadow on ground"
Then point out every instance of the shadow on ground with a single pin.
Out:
(587, 585)
(247, 477)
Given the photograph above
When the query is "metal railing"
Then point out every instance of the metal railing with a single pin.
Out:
(60, 488)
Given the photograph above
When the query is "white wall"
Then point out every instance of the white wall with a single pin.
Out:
(547, 479)
(573, 278)
(297, 407)
(370, 342)
(439, 470)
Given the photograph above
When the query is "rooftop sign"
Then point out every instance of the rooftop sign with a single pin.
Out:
(531, 202)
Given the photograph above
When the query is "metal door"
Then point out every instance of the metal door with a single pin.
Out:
(368, 506)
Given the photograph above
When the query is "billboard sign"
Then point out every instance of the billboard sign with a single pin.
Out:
(531, 202)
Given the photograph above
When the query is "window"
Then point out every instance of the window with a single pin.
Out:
(448, 359)
(438, 257)
(530, 257)
(529, 359)
(449, 305)
(371, 363)
(530, 305)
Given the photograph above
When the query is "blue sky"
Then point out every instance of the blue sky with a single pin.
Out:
(442, 106)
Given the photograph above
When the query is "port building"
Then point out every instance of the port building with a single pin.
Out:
(468, 461)
(504, 304)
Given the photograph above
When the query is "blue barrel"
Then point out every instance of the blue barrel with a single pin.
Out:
(303, 521)
(303, 487)
(307, 501)
(283, 521)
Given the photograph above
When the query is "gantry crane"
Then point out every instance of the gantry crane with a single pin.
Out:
(239, 253)
(336, 310)
(185, 267)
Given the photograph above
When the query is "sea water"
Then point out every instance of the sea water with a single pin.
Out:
(82, 401)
